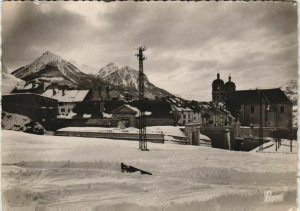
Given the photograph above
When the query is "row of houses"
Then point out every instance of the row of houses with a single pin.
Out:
(107, 107)
(206, 113)
(62, 107)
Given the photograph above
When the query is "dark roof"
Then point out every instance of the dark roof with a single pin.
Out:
(181, 103)
(109, 106)
(158, 108)
(272, 96)
(229, 83)
(87, 107)
(194, 106)
(218, 82)
(25, 95)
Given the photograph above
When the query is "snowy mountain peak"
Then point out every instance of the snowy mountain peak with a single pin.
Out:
(107, 70)
(129, 69)
(50, 65)
(48, 56)
(291, 90)
(125, 76)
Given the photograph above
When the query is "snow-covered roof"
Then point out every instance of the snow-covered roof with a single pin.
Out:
(69, 95)
(132, 108)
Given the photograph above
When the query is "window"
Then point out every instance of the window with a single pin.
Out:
(60, 104)
(281, 109)
(62, 110)
(252, 109)
(69, 110)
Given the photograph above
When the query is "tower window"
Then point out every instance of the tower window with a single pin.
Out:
(281, 109)
(252, 109)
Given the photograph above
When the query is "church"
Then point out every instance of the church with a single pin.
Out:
(269, 106)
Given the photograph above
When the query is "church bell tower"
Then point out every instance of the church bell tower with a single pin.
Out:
(218, 91)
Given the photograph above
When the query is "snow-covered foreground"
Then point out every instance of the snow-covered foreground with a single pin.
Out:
(65, 173)
(285, 147)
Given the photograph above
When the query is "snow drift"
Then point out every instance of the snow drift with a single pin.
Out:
(20, 123)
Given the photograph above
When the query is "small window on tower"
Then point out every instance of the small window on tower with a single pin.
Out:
(252, 109)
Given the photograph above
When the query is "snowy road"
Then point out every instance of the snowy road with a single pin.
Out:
(69, 172)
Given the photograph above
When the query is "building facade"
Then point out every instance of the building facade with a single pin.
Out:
(38, 108)
(269, 106)
(67, 99)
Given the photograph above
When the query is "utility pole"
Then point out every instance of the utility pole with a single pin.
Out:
(261, 130)
(142, 118)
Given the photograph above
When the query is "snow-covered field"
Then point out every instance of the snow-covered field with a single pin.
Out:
(285, 147)
(74, 173)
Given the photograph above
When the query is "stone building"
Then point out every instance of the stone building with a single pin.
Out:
(271, 106)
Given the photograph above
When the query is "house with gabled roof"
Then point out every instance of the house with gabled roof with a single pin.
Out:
(67, 99)
(158, 112)
(185, 111)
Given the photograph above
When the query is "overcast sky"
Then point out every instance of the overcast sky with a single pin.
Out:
(187, 43)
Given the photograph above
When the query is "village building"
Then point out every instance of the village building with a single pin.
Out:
(105, 93)
(185, 111)
(127, 114)
(215, 115)
(157, 112)
(67, 99)
(36, 107)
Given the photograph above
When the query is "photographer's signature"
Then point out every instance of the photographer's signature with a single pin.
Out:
(269, 196)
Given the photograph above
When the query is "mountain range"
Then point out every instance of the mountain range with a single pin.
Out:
(127, 78)
(51, 68)
(291, 90)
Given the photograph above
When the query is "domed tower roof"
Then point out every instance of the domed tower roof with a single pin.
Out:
(218, 81)
(229, 83)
